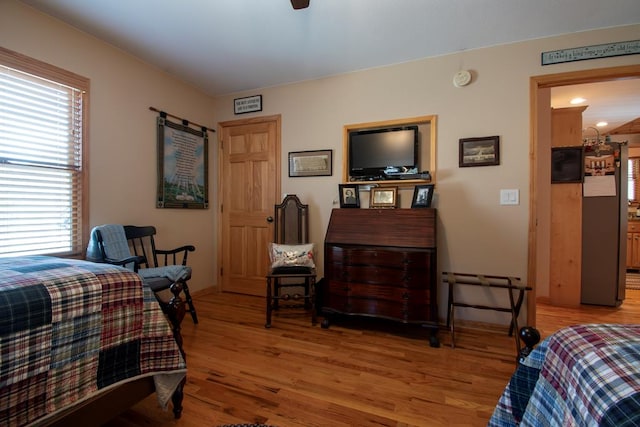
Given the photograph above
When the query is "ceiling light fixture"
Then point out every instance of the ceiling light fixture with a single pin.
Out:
(300, 4)
(578, 100)
(601, 124)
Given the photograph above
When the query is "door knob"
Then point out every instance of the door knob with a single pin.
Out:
(269, 219)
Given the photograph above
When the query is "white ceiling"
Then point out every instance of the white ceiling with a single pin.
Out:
(228, 46)
(615, 102)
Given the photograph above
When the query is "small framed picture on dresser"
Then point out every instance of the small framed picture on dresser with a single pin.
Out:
(349, 195)
(422, 195)
(384, 197)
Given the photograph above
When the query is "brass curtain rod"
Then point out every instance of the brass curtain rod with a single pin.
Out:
(184, 121)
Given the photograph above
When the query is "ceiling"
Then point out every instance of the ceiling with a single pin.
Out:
(615, 102)
(229, 46)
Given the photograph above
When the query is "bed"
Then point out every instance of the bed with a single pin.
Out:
(584, 375)
(73, 333)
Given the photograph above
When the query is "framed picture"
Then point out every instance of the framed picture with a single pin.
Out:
(567, 165)
(311, 163)
(383, 197)
(183, 171)
(349, 195)
(483, 151)
(422, 195)
(248, 104)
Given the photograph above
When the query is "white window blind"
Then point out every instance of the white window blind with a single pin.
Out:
(40, 165)
(633, 190)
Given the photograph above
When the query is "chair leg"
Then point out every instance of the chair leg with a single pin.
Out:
(191, 309)
(307, 290)
(268, 322)
(275, 295)
(312, 297)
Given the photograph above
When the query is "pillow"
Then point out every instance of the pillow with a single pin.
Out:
(291, 255)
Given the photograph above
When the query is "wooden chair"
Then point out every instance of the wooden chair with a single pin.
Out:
(134, 247)
(291, 228)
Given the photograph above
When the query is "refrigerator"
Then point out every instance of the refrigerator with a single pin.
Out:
(604, 224)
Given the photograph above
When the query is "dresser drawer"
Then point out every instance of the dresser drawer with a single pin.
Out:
(382, 257)
(376, 256)
(391, 277)
(633, 227)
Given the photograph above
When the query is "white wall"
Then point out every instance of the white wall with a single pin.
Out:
(122, 138)
(475, 233)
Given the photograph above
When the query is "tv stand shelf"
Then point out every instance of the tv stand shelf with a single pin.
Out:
(382, 263)
(427, 131)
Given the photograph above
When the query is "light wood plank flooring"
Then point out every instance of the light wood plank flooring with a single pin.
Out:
(352, 374)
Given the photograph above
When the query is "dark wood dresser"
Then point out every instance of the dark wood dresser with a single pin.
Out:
(382, 263)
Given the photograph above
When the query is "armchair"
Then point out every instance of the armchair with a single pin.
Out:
(160, 269)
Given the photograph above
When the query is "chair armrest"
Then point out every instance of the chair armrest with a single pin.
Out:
(185, 248)
(136, 260)
(173, 252)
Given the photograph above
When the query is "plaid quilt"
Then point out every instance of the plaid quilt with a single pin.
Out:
(586, 375)
(70, 329)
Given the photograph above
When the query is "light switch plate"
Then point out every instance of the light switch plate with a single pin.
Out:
(510, 197)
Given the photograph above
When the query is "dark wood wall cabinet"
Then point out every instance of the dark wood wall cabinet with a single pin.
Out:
(382, 263)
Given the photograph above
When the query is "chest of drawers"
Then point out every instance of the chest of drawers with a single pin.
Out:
(382, 263)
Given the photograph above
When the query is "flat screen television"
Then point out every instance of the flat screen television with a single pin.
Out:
(378, 152)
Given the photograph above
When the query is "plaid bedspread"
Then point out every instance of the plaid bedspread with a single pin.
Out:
(586, 375)
(70, 329)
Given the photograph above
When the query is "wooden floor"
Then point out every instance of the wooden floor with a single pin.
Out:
(352, 374)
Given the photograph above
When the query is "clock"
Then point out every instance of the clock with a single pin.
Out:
(461, 78)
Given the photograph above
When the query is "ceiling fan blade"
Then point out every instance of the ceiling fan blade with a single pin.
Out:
(300, 4)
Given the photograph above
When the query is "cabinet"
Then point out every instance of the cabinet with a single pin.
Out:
(633, 245)
(382, 263)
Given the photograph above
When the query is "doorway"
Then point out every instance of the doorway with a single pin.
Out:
(539, 211)
(248, 189)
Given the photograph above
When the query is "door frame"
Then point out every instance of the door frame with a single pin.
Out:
(536, 85)
(220, 192)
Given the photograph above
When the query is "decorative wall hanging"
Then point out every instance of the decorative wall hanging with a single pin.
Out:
(483, 151)
(247, 104)
(311, 163)
(183, 165)
(631, 47)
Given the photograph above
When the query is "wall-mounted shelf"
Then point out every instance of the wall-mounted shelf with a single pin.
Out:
(427, 126)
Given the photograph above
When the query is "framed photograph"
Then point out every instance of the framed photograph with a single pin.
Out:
(349, 195)
(483, 151)
(383, 197)
(567, 165)
(311, 163)
(422, 195)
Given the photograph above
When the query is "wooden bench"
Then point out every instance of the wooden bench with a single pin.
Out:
(511, 284)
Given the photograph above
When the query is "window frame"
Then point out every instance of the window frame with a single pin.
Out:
(56, 74)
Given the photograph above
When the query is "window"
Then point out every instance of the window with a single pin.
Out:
(43, 177)
(633, 187)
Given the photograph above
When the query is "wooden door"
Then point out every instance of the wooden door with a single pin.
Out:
(249, 187)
